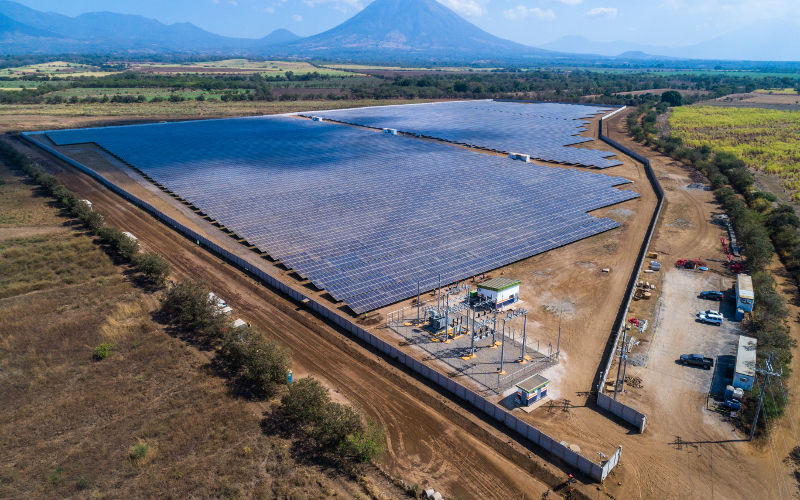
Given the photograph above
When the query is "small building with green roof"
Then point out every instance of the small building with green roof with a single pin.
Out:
(502, 291)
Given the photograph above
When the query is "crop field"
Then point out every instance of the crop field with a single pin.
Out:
(148, 93)
(457, 69)
(234, 66)
(777, 91)
(55, 69)
(17, 84)
(765, 139)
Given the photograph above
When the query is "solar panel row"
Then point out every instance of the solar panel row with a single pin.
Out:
(361, 214)
(542, 130)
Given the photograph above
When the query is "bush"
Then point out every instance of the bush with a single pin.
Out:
(259, 363)
(121, 244)
(187, 305)
(305, 401)
(335, 426)
(368, 443)
(102, 351)
(153, 266)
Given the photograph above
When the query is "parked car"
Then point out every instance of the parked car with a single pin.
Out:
(711, 320)
(712, 314)
(712, 295)
(697, 360)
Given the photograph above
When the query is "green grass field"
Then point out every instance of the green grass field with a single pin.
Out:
(148, 93)
(239, 66)
(55, 69)
(766, 139)
(777, 91)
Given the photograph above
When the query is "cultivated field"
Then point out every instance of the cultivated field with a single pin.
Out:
(55, 69)
(238, 66)
(767, 140)
(760, 100)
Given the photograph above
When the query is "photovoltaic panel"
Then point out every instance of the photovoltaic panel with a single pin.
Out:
(542, 130)
(362, 214)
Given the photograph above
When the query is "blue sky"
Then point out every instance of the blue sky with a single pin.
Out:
(659, 22)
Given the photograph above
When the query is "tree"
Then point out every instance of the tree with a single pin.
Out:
(368, 443)
(154, 267)
(305, 401)
(260, 363)
(187, 304)
(337, 424)
(672, 97)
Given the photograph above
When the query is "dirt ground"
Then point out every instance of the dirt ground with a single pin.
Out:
(431, 440)
(69, 421)
(586, 300)
(653, 464)
(757, 100)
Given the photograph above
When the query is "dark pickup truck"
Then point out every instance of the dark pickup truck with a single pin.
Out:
(697, 360)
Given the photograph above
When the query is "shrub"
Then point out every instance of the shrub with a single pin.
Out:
(368, 443)
(305, 401)
(153, 266)
(102, 351)
(187, 305)
(261, 364)
(337, 423)
(121, 244)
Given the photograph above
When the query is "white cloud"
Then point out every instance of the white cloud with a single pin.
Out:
(297, 18)
(571, 2)
(607, 12)
(521, 12)
(471, 8)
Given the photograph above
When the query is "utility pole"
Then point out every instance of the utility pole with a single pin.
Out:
(439, 294)
(523, 358)
(767, 374)
(558, 346)
(619, 365)
(418, 301)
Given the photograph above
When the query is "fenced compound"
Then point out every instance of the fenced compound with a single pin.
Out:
(604, 401)
(365, 216)
(528, 432)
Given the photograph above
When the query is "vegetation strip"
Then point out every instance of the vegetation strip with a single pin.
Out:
(762, 230)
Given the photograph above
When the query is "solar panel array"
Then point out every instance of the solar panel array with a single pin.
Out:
(361, 214)
(542, 130)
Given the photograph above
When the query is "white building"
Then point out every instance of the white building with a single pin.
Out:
(745, 374)
(502, 291)
(745, 298)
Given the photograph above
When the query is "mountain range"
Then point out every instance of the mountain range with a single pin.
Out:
(764, 40)
(386, 31)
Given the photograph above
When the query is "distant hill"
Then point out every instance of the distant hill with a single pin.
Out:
(107, 32)
(279, 37)
(772, 40)
(422, 29)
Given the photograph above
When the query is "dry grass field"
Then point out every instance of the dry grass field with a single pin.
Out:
(152, 420)
(22, 117)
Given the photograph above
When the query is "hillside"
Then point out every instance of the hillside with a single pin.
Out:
(415, 28)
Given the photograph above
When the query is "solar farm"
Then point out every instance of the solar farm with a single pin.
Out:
(368, 217)
(542, 130)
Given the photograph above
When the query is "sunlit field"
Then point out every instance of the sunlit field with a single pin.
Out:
(766, 139)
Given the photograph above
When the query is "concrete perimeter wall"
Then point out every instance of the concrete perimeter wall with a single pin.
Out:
(621, 410)
(524, 429)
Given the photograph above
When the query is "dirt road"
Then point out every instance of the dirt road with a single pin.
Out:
(431, 440)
